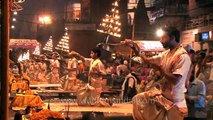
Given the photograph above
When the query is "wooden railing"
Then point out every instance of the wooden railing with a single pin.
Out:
(200, 21)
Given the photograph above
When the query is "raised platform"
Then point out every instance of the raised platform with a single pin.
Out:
(44, 85)
(125, 108)
(47, 94)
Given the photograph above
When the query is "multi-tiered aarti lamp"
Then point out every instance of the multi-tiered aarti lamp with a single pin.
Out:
(111, 24)
(63, 44)
(49, 45)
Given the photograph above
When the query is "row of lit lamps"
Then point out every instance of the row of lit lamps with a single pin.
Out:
(15, 13)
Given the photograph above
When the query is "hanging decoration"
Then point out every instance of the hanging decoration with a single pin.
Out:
(15, 5)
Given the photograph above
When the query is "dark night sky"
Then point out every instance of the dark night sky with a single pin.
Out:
(34, 8)
(27, 25)
(37, 7)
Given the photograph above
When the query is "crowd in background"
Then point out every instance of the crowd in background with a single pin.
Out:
(139, 76)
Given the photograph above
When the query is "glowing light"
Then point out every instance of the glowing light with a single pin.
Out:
(159, 32)
(116, 3)
(20, 1)
(15, 13)
(14, 19)
(45, 20)
(37, 49)
(13, 27)
(103, 24)
(20, 58)
(117, 17)
(25, 56)
(195, 32)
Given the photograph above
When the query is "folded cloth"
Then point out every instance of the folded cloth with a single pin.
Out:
(27, 100)
(87, 95)
(152, 105)
(90, 96)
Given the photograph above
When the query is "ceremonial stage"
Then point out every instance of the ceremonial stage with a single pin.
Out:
(116, 111)
(64, 101)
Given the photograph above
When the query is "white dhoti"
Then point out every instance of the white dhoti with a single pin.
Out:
(152, 105)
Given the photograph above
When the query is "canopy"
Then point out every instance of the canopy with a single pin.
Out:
(149, 45)
(23, 43)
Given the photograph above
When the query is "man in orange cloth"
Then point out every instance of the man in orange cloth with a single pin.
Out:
(167, 103)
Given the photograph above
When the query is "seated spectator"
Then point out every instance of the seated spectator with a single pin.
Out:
(15, 70)
(18, 116)
(122, 67)
(129, 86)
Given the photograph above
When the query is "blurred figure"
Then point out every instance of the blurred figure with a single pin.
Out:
(81, 68)
(122, 67)
(192, 56)
(42, 76)
(129, 86)
(18, 116)
(53, 77)
(196, 99)
(153, 80)
(72, 65)
(15, 70)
